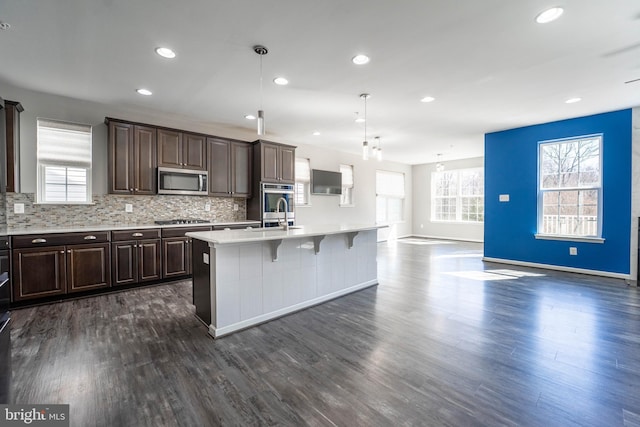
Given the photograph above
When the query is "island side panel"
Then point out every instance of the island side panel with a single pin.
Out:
(201, 280)
(251, 288)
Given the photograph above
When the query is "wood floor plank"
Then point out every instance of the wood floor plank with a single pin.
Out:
(444, 340)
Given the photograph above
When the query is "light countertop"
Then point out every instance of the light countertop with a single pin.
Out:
(109, 227)
(276, 233)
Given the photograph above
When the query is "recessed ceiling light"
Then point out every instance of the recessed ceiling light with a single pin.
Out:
(316, 133)
(573, 100)
(165, 52)
(428, 99)
(281, 81)
(145, 92)
(250, 117)
(360, 59)
(549, 15)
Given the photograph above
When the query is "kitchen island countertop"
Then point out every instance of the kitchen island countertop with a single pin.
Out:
(221, 237)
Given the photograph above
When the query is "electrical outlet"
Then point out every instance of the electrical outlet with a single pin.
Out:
(128, 207)
(207, 207)
(235, 206)
(573, 251)
(18, 208)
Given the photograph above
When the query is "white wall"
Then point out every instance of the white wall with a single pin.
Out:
(422, 224)
(326, 209)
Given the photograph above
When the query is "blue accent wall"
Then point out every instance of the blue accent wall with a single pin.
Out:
(511, 167)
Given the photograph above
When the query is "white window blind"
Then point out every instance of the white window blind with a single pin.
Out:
(389, 197)
(390, 184)
(64, 162)
(64, 144)
(346, 198)
(303, 181)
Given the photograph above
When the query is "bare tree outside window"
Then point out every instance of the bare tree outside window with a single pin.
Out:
(458, 195)
(570, 187)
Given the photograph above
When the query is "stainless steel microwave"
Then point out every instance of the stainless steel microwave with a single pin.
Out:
(182, 181)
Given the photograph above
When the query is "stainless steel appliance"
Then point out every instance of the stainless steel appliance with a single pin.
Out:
(182, 181)
(270, 194)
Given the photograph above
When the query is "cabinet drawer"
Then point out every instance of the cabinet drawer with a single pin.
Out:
(180, 232)
(41, 240)
(120, 235)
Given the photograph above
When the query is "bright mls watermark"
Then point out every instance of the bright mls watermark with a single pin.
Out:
(34, 415)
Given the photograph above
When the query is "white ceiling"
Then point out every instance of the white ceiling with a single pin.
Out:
(489, 65)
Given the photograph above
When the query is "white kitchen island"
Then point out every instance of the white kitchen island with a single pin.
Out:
(245, 277)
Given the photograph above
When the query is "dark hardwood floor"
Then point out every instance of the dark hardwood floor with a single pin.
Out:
(443, 340)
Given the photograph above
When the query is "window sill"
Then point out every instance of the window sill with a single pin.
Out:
(347, 206)
(569, 238)
(64, 203)
(438, 221)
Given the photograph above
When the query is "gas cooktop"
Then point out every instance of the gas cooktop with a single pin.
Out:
(182, 221)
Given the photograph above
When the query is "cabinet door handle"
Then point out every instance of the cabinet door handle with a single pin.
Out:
(39, 241)
(137, 234)
(131, 190)
(90, 237)
(62, 252)
(68, 251)
(136, 189)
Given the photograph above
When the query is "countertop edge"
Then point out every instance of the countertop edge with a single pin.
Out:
(115, 227)
(227, 237)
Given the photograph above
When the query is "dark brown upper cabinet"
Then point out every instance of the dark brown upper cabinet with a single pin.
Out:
(274, 162)
(181, 150)
(12, 112)
(229, 168)
(132, 158)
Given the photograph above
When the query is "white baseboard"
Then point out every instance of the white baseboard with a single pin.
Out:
(560, 268)
(459, 239)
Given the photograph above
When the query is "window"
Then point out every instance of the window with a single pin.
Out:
(570, 187)
(346, 198)
(458, 195)
(389, 197)
(303, 182)
(64, 162)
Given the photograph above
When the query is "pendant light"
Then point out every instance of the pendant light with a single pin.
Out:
(260, 50)
(365, 143)
(377, 150)
(439, 165)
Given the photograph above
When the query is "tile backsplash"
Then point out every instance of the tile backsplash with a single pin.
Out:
(109, 209)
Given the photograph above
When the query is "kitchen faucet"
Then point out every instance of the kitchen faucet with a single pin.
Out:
(285, 227)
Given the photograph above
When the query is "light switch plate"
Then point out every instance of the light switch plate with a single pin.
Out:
(128, 207)
(207, 207)
(18, 208)
(504, 198)
(205, 258)
(235, 206)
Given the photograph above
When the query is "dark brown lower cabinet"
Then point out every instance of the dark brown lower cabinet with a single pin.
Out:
(88, 267)
(56, 270)
(176, 252)
(39, 272)
(136, 261)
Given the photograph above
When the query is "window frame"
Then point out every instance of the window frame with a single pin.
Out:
(457, 198)
(43, 163)
(598, 237)
(390, 197)
(306, 184)
(347, 189)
